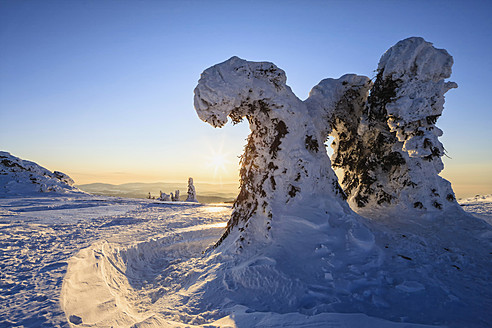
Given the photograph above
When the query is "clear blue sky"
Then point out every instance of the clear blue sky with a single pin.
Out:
(103, 90)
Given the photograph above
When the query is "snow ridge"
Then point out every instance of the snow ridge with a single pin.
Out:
(18, 177)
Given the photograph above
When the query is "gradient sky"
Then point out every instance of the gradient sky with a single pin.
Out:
(103, 90)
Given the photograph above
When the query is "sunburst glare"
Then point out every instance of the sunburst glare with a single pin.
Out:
(218, 161)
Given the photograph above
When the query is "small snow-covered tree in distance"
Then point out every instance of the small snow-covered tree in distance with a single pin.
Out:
(175, 197)
(164, 197)
(191, 192)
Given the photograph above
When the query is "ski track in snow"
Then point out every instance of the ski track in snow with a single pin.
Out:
(147, 255)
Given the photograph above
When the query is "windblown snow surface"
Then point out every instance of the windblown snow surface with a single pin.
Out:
(85, 261)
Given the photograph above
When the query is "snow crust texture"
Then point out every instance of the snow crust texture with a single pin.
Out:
(19, 177)
(83, 261)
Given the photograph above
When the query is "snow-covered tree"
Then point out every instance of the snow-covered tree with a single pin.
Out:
(191, 192)
(164, 197)
(175, 197)
(284, 162)
(389, 149)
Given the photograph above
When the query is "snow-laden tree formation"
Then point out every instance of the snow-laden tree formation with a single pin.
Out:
(388, 146)
(386, 140)
(284, 162)
(191, 192)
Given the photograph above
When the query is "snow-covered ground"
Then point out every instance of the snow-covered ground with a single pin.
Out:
(39, 234)
(85, 261)
(480, 206)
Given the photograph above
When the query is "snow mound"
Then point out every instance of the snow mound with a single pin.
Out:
(21, 177)
(292, 243)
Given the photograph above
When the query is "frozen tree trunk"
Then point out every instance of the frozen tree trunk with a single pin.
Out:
(191, 192)
(389, 150)
(284, 162)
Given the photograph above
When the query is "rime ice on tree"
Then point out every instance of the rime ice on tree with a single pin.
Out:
(191, 192)
(284, 163)
(389, 150)
(386, 141)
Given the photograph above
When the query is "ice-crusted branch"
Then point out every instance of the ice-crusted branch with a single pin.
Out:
(340, 103)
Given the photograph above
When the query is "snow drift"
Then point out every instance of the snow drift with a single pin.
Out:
(19, 177)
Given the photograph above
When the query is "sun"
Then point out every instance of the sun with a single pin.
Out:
(218, 161)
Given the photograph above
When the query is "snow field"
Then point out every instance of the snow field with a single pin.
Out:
(369, 274)
(39, 234)
(144, 266)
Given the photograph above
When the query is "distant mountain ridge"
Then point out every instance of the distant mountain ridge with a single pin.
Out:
(206, 192)
(20, 177)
